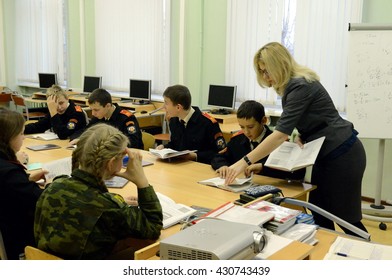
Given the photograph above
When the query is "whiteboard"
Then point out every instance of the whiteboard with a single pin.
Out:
(369, 81)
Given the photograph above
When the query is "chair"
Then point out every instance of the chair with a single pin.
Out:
(5, 99)
(148, 140)
(32, 253)
(3, 253)
(19, 101)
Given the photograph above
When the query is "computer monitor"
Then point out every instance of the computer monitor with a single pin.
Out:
(47, 80)
(140, 91)
(91, 83)
(221, 98)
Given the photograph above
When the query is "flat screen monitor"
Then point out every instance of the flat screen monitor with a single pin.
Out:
(91, 83)
(140, 91)
(47, 80)
(221, 98)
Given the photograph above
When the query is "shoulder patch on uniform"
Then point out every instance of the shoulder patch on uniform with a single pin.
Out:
(220, 142)
(78, 108)
(237, 133)
(126, 112)
(211, 118)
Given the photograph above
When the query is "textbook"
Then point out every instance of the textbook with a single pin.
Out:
(48, 135)
(43, 147)
(169, 153)
(238, 185)
(57, 167)
(290, 157)
(173, 212)
(284, 217)
(235, 213)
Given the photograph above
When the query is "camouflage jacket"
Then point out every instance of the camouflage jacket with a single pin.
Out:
(77, 218)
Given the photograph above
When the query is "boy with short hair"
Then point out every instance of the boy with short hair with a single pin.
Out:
(252, 120)
(104, 111)
(190, 128)
(64, 117)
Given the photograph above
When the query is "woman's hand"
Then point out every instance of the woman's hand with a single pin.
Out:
(234, 170)
(134, 171)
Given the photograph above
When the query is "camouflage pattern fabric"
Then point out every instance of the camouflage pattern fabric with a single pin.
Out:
(77, 218)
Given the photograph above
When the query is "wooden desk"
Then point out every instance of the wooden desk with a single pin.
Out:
(178, 180)
(228, 129)
(230, 118)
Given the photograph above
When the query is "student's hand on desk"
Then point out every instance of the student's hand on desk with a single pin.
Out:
(222, 171)
(254, 168)
(38, 175)
(73, 142)
(134, 171)
(160, 147)
(22, 157)
(234, 170)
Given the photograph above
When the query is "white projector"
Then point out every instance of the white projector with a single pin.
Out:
(213, 239)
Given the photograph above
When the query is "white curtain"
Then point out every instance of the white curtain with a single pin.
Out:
(132, 41)
(40, 40)
(320, 41)
(250, 25)
(2, 56)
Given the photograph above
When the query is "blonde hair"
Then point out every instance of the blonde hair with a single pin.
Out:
(281, 67)
(57, 91)
(96, 147)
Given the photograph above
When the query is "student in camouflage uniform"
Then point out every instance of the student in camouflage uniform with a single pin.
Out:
(190, 129)
(103, 111)
(64, 117)
(18, 190)
(76, 216)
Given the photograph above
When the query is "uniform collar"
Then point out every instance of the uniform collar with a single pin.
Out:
(188, 117)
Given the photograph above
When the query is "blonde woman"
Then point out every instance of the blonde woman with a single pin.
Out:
(307, 106)
(64, 117)
(77, 218)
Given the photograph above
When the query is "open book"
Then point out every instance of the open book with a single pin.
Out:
(238, 185)
(169, 153)
(173, 212)
(57, 167)
(290, 157)
(43, 147)
(48, 135)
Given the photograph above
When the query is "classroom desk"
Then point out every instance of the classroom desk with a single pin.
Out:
(178, 180)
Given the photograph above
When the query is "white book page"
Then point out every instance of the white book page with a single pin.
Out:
(48, 135)
(220, 182)
(289, 156)
(173, 212)
(58, 167)
(168, 153)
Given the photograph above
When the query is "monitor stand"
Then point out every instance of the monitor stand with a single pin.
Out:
(141, 102)
(221, 111)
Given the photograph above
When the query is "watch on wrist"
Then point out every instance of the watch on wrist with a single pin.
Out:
(247, 160)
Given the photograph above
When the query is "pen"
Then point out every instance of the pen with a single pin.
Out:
(342, 254)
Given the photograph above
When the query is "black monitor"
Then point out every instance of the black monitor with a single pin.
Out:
(91, 83)
(221, 99)
(47, 80)
(140, 91)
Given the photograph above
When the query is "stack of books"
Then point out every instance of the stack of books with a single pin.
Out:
(284, 218)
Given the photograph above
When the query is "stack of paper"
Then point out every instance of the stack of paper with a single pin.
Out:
(302, 232)
(235, 213)
(284, 217)
(48, 135)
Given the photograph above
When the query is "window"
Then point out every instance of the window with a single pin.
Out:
(133, 43)
(316, 32)
(41, 41)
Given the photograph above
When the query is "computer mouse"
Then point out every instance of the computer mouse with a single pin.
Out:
(143, 112)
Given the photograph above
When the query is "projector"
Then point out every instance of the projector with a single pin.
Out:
(214, 239)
